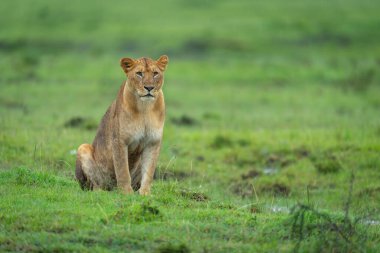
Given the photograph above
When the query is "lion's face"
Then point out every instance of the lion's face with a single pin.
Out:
(145, 75)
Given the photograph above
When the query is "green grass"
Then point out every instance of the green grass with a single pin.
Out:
(271, 107)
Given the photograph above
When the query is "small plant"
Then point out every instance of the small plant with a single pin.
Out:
(332, 233)
(137, 213)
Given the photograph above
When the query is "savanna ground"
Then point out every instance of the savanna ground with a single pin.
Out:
(272, 135)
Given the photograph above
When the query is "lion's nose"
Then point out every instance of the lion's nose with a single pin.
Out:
(149, 88)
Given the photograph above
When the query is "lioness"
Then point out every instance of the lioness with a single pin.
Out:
(126, 147)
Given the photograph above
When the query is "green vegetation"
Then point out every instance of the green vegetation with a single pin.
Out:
(272, 137)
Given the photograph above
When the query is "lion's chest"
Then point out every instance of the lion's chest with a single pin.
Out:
(143, 136)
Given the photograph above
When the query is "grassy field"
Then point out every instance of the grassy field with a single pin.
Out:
(272, 136)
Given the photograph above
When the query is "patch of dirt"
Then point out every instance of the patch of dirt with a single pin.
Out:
(253, 173)
(197, 196)
(326, 163)
(267, 161)
(184, 120)
(273, 161)
(301, 152)
(200, 158)
(243, 189)
(282, 160)
(221, 141)
(80, 122)
(278, 189)
(233, 158)
(170, 248)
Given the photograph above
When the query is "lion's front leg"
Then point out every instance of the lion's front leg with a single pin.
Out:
(148, 166)
(120, 160)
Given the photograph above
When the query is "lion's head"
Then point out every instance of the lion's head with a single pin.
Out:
(145, 76)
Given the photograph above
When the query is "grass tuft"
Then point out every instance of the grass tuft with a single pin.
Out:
(329, 232)
(136, 213)
(326, 163)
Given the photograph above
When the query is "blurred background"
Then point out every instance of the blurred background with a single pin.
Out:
(233, 55)
(272, 74)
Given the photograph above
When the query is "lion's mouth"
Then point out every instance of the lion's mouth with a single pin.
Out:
(148, 96)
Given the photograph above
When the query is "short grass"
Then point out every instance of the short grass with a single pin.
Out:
(271, 142)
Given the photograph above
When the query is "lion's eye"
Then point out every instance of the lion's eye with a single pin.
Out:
(139, 74)
(155, 73)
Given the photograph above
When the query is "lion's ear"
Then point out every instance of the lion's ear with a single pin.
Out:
(127, 64)
(162, 62)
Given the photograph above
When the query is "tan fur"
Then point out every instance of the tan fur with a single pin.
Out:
(125, 150)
